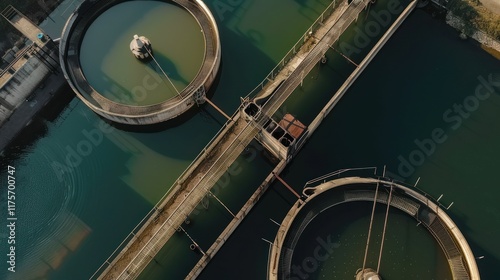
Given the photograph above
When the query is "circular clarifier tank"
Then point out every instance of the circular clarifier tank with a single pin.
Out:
(325, 235)
(98, 63)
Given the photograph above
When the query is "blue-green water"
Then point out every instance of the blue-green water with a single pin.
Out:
(82, 186)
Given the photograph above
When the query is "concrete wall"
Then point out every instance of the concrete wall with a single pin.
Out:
(175, 110)
(20, 86)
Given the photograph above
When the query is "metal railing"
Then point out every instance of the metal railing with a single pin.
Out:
(451, 250)
(336, 174)
(293, 51)
(343, 173)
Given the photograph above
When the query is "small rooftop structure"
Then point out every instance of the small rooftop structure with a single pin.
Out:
(292, 125)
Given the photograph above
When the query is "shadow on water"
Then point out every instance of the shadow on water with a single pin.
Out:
(38, 128)
(54, 109)
(204, 112)
(168, 66)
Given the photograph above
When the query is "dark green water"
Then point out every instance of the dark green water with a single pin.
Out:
(73, 214)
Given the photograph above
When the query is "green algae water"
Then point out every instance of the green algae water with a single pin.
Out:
(83, 186)
(111, 68)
